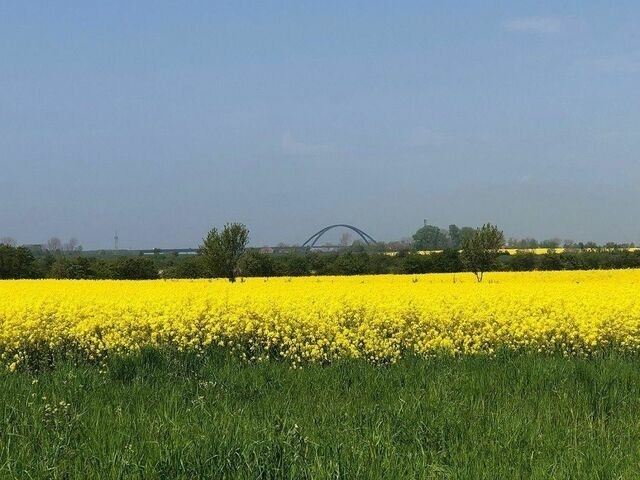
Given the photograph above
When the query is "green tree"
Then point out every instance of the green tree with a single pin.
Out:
(455, 236)
(350, 263)
(190, 267)
(430, 237)
(221, 251)
(135, 268)
(465, 235)
(16, 262)
(522, 261)
(480, 251)
(256, 264)
(550, 243)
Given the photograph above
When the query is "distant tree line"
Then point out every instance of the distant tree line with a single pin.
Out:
(432, 237)
(223, 254)
(19, 262)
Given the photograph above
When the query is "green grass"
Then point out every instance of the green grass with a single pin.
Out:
(166, 416)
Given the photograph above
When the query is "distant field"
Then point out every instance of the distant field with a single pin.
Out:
(323, 319)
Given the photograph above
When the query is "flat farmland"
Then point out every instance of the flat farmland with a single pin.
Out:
(530, 375)
(322, 319)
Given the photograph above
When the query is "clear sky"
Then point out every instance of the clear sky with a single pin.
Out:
(163, 119)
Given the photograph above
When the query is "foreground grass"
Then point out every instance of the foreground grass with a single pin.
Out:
(165, 416)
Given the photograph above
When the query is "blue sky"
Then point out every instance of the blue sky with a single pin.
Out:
(163, 119)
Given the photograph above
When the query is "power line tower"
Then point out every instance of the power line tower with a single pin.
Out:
(115, 240)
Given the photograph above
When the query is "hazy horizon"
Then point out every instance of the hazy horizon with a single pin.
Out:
(164, 120)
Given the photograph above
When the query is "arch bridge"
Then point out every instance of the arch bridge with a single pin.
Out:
(313, 239)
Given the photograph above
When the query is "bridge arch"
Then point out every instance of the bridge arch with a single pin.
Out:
(313, 239)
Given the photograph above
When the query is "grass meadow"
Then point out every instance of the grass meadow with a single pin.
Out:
(164, 415)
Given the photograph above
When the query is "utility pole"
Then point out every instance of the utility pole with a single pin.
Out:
(115, 240)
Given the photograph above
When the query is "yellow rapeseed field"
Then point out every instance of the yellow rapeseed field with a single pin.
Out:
(320, 319)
